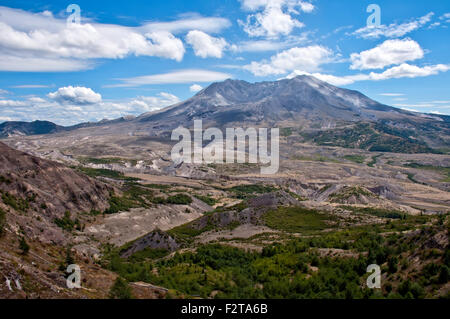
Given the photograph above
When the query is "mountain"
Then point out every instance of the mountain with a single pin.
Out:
(8, 129)
(321, 112)
(313, 108)
(15, 128)
(301, 100)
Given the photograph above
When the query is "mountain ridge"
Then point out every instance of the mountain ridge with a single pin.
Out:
(302, 102)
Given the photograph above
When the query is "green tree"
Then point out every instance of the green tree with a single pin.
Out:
(392, 264)
(120, 290)
(23, 245)
(443, 275)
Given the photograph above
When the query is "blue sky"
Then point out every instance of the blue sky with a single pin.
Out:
(130, 57)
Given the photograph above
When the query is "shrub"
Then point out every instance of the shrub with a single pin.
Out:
(117, 204)
(5, 180)
(296, 219)
(17, 204)
(206, 199)
(393, 264)
(2, 221)
(120, 289)
(23, 246)
(443, 275)
(248, 191)
(179, 199)
(66, 222)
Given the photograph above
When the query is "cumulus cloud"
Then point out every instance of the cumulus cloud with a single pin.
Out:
(195, 88)
(175, 77)
(205, 45)
(388, 53)
(306, 59)
(75, 95)
(402, 71)
(409, 71)
(88, 41)
(273, 17)
(39, 42)
(393, 30)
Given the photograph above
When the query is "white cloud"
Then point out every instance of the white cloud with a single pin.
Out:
(75, 95)
(40, 42)
(195, 88)
(189, 22)
(39, 64)
(276, 17)
(402, 71)
(205, 45)
(181, 76)
(393, 30)
(392, 94)
(306, 59)
(441, 102)
(30, 86)
(434, 25)
(409, 71)
(271, 45)
(388, 53)
(3, 92)
(88, 41)
(12, 103)
(144, 104)
(36, 99)
(5, 119)
(446, 17)
(332, 79)
(66, 112)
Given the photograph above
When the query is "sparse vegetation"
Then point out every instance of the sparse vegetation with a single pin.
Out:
(445, 171)
(316, 158)
(5, 180)
(248, 191)
(373, 161)
(374, 137)
(348, 192)
(2, 221)
(14, 202)
(379, 212)
(67, 223)
(106, 160)
(206, 199)
(286, 131)
(101, 172)
(359, 159)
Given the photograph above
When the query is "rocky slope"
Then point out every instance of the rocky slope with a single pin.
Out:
(41, 202)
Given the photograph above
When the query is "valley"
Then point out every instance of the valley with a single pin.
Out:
(367, 185)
